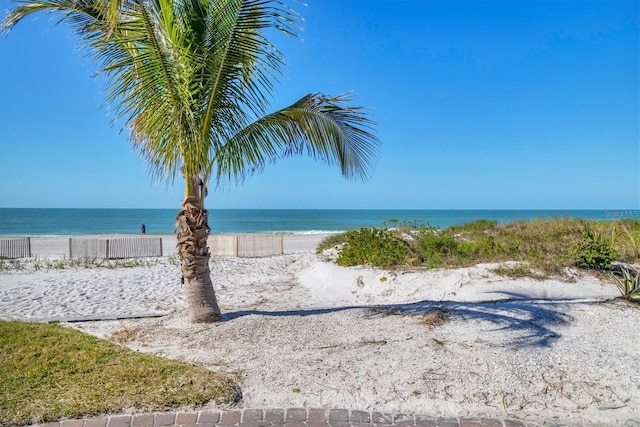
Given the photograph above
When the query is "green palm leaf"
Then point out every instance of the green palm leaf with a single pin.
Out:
(320, 126)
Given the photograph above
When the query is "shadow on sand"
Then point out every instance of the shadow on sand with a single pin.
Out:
(531, 323)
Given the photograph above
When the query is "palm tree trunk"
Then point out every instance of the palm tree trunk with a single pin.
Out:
(194, 254)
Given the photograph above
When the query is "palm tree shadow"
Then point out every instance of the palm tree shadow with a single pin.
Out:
(531, 323)
(528, 323)
(227, 317)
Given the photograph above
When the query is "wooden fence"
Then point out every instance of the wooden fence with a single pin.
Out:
(246, 245)
(220, 245)
(15, 247)
(117, 248)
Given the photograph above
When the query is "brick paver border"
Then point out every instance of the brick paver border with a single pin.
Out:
(291, 417)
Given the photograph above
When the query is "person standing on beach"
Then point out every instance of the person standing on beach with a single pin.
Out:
(143, 229)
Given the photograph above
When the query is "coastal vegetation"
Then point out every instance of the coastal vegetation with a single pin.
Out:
(49, 372)
(193, 82)
(629, 285)
(539, 248)
(47, 264)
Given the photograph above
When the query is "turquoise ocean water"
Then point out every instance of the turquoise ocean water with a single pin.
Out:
(53, 222)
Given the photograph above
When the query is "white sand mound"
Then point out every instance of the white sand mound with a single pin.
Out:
(332, 284)
(300, 331)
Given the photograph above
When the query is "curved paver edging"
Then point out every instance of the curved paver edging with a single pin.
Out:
(291, 417)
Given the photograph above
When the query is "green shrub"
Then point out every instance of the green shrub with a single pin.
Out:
(378, 247)
(479, 225)
(484, 249)
(435, 249)
(594, 250)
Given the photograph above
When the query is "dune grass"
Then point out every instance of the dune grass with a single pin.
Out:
(37, 263)
(49, 372)
(540, 248)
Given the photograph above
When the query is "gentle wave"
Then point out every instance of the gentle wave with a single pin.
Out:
(310, 232)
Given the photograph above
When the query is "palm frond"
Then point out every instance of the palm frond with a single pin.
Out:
(240, 64)
(322, 127)
(81, 15)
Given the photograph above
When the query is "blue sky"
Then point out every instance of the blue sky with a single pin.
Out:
(478, 104)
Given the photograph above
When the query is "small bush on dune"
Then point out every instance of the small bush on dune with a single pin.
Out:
(436, 249)
(594, 254)
(484, 248)
(449, 249)
(378, 247)
(594, 250)
(480, 225)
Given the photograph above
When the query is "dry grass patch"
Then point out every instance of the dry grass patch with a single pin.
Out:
(517, 271)
(434, 318)
(124, 335)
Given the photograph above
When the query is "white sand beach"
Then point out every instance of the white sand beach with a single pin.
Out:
(299, 331)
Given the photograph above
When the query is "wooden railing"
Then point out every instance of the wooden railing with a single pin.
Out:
(15, 247)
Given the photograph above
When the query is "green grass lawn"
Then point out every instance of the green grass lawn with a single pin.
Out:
(49, 372)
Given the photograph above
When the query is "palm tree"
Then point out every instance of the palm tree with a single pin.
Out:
(192, 80)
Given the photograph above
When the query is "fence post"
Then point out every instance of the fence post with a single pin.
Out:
(107, 249)
(29, 246)
(70, 250)
(237, 245)
(281, 243)
(161, 246)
